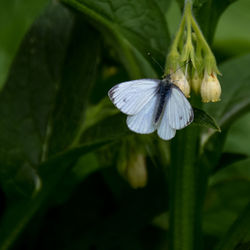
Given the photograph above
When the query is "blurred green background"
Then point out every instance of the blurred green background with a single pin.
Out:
(93, 206)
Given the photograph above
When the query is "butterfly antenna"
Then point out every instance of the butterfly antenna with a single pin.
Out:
(183, 65)
(154, 60)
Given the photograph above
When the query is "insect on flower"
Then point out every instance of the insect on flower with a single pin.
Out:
(153, 104)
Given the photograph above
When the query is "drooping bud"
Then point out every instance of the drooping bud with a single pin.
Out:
(180, 80)
(196, 82)
(210, 88)
(137, 171)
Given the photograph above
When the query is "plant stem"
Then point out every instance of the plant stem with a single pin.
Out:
(188, 14)
(178, 34)
(184, 204)
(200, 38)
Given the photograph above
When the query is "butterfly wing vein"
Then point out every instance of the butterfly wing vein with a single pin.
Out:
(140, 100)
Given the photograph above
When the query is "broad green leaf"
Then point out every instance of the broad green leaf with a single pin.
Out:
(37, 94)
(15, 19)
(84, 167)
(224, 203)
(98, 112)
(212, 151)
(227, 159)
(235, 83)
(238, 137)
(27, 100)
(134, 28)
(201, 118)
(46, 93)
(173, 17)
(234, 103)
(78, 76)
(231, 38)
(239, 170)
(164, 5)
(112, 127)
(20, 212)
(238, 236)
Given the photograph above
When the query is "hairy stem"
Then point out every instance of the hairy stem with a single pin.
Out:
(185, 206)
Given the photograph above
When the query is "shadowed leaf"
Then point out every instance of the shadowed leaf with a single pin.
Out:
(27, 100)
(201, 118)
(133, 30)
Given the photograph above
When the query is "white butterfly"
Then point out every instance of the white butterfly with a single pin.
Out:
(151, 105)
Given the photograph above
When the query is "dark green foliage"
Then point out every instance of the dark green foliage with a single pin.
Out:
(203, 119)
(62, 142)
(208, 13)
(132, 29)
(27, 100)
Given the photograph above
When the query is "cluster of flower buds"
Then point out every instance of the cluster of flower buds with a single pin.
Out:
(132, 163)
(190, 45)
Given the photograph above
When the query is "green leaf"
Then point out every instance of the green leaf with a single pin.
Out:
(238, 170)
(15, 20)
(25, 182)
(238, 137)
(234, 103)
(46, 94)
(44, 101)
(111, 128)
(134, 28)
(78, 77)
(238, 236)
(208, 13)
(213, 148)
(164, 5)
(231, 38)
(235, 84)
(201, 118)
(224, 203)
(19, 213)
(227, 159)
(84, 167)
(27, 100)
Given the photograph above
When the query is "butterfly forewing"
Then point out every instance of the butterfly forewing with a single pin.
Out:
(178, 109)
(143, 121)
(130, 97)
(153, 104)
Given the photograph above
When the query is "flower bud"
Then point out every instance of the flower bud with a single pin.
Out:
(196, 82)
(210, 88)
(137, 171)
(180, 80)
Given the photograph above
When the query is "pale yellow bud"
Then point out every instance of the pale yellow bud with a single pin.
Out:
(196, 82)
(210, 88)
(180, 80)
(137, 171)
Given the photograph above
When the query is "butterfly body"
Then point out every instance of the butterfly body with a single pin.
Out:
(163, 91)
(152, 104)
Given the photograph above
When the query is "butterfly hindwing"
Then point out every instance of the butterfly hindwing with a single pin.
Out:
(153, 104)
(130, 97)
(164, 130)
(143, 121)
(178, 109)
